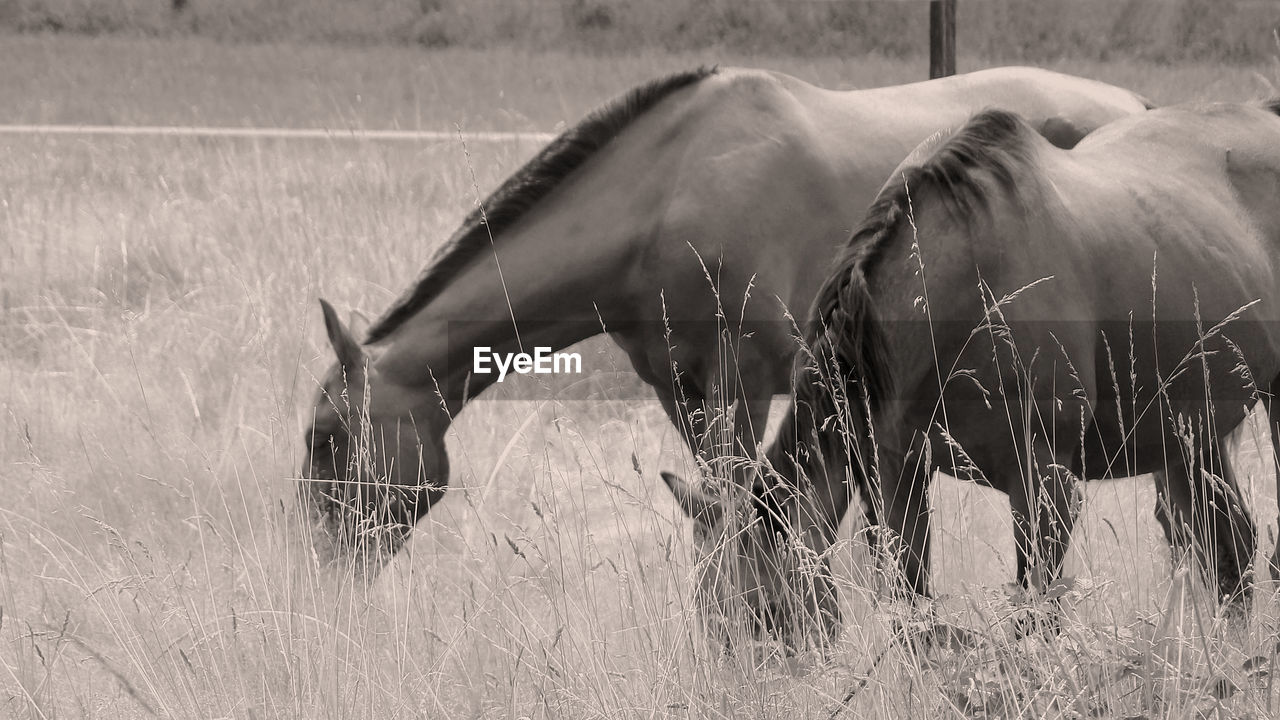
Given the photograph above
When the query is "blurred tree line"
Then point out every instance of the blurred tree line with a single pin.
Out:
(1003, 30)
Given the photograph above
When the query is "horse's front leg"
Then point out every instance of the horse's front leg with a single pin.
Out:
(904, 498)
(1044, 503)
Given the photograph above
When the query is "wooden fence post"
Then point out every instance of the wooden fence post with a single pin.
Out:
(942, 38)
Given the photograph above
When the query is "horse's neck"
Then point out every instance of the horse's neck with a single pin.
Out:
(548, 282)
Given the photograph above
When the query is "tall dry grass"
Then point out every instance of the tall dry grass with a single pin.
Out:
(158, 337)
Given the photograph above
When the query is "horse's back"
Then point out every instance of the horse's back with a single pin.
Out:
(1062, 95)
(1035, 93)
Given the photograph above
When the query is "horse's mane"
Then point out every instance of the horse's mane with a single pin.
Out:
(846, 344)
(993, 145)
(531, 183)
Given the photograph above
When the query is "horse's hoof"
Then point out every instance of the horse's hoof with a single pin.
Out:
(1034, 622)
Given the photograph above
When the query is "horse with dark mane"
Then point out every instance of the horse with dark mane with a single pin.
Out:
(1027, 317)
(683, 219)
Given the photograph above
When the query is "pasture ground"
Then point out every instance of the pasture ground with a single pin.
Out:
(159, 338)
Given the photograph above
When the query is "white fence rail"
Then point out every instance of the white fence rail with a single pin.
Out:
(276, 133)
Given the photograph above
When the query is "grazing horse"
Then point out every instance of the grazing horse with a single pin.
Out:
(1027, 317)
(695, 205)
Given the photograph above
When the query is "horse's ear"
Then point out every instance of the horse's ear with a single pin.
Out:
(694, 501)
(350, 354)
(358, 323)
(1062, 133)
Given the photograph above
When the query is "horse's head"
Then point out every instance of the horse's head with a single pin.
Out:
(375, 459)
(763, 569)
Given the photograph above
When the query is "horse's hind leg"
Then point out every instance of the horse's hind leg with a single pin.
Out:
(1044, 505)
(1200, 507)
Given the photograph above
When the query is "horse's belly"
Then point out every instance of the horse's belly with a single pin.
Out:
(1142, 417)
(1145, 399)
(1114, 449)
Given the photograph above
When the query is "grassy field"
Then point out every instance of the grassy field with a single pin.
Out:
(159, 337)
(1217, 30)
